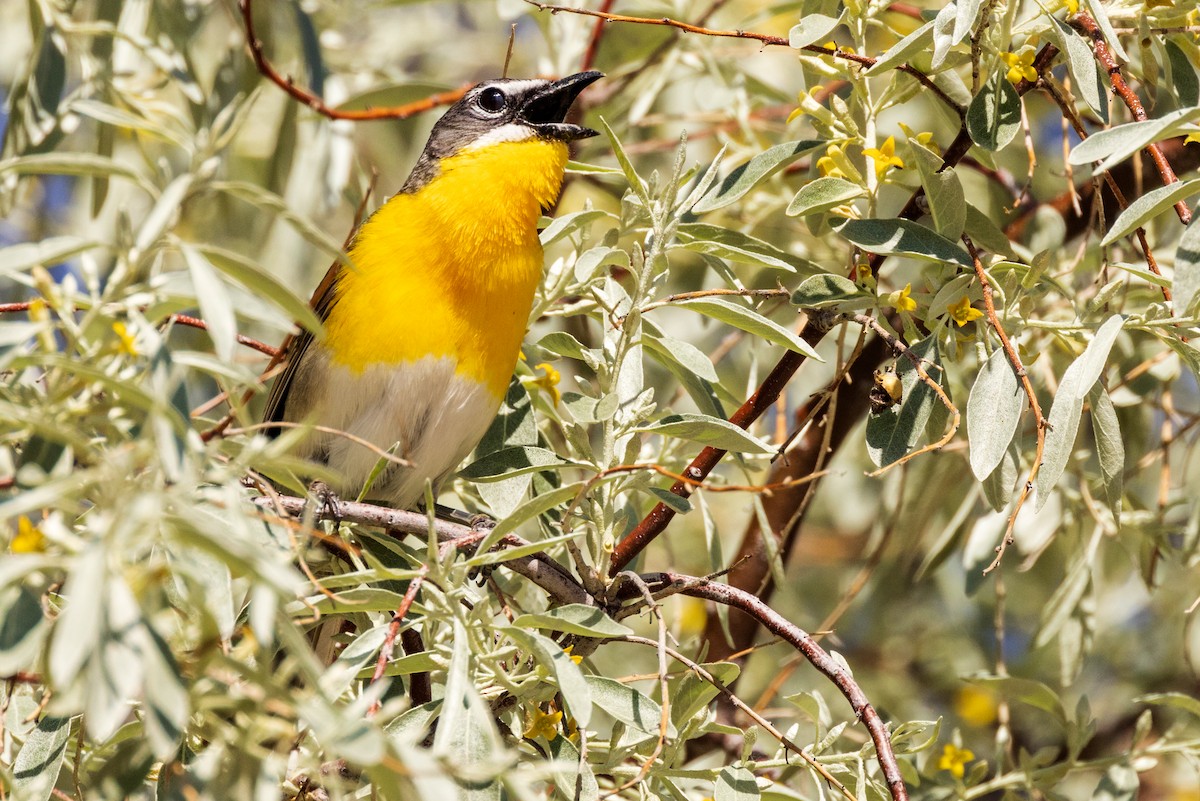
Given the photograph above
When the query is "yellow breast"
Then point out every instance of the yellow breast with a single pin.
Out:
(451, 269)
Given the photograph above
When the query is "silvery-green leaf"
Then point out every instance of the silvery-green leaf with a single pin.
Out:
(943, 34)
(747, 176)
(707, 431)
(586, 621)
(36, 767)
(215, 304)
(823, 194)
(915, 42)
(509, 462)
(738, 247)
(628, 705)
(1149, 206)
(1067, 408)
(994, 116)
(1186, 283)
(1110, 447)
(549, 654)
(1088, 82)
(811, 28)
(898, 237)
(23, 628)
(993, 412)
(1113, 145)
(827, 289)
(735, 784)
(943, 191)
(1183, 75)
(750, 321)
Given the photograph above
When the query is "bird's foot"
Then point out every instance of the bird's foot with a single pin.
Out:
(321, 503)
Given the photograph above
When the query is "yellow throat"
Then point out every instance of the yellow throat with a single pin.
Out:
(450, 270)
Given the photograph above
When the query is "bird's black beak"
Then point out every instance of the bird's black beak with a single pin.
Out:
(545, 109)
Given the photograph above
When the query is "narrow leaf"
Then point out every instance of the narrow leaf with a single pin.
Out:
(1149, 206)
(707, 431)
(747, 176)
(993, 412)
(751, 322)
(897, 237)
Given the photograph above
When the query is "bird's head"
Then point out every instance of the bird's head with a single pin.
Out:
(503, 110)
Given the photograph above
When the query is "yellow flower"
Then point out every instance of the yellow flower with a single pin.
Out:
(573, 657)
(962, 312)
(1072, 6)
(863, 274)
(884, 157)
(828, 164)
(549, 381)
(544, 724)
(975, 705)
(954, 759)
(1191, 138)
(902, 300)
(1020, 65)
(127, 344)
(29, 538)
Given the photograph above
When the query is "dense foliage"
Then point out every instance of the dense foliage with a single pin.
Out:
(933, 246)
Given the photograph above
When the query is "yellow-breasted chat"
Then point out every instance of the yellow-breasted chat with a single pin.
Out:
(424, 325)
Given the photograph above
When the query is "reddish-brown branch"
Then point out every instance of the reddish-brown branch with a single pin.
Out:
(1110, 181)
(818, 656)
(1105, 57)
(318, 105)
(389, 642)
(766, 39)
(1014, 359)
(196, 322)
(762, 399)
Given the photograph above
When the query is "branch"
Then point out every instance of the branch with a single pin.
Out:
(1106, 60)
(318, 105)
(820, 659)
(538, 567)
(766, 39)
(1014, 359)
(763, 398)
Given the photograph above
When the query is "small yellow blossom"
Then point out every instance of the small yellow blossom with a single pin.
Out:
(549, 381)
(975, 705)
(902, 300)
(955, 759)
(29, 538)
(925, 137)
(1072, 6)
(863, 275)
(127, 344)
(573, 657)
(544, 724)
(828, 164)
(884, 157)
(1192, 138)
(1020, 65)
(962, 312)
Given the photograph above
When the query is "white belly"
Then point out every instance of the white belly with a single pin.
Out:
(422, 411)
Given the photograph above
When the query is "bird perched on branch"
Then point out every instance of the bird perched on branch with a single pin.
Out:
(424, 327)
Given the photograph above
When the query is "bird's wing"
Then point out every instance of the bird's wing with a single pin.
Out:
(295, 345)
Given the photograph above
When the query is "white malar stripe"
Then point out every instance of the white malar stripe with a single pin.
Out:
(508, 132)
(436, 416)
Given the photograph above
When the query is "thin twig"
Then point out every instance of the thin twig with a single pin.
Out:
(538, 567)
(1014, 359)
(834, 670)
(589, 55)
(766, 725)
(389, 642)
(318, 105)
(766, 39)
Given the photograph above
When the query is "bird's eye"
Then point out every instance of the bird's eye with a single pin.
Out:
(492, 100)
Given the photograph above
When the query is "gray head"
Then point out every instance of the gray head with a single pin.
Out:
(503, 110)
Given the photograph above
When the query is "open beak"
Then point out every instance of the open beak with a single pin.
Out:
(546, 109)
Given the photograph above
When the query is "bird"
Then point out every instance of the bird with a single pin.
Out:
(424, 319)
